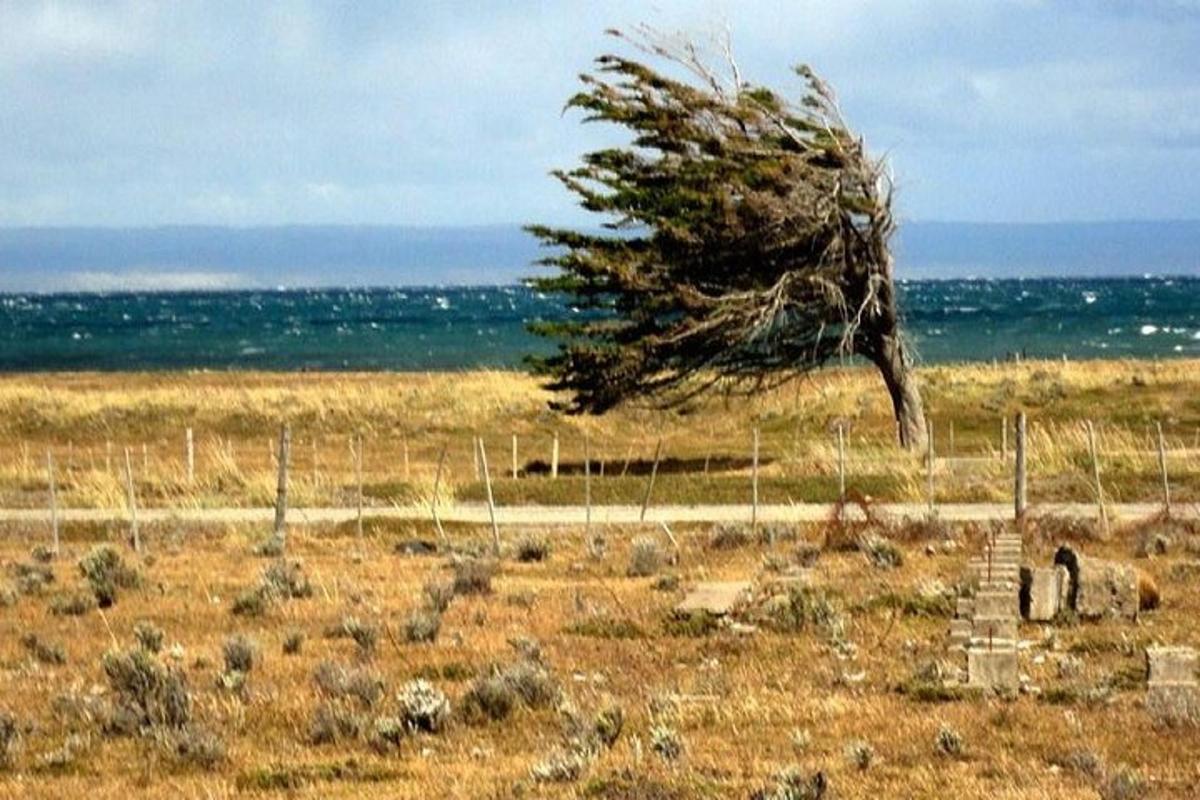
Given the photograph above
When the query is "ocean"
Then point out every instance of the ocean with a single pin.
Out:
(466, 327)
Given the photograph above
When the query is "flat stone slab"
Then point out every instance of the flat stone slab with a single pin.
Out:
(996, 603)
(994, 628)
(717, 598)
(1044, 592)
(1171, 666)
(993, 670)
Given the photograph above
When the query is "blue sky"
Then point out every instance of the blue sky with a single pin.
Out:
(446, 113)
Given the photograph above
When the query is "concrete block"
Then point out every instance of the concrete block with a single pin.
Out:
(960, 632)
(993, 670)
(1171, 666)
(964, 607)
(996, 603)
(1099, 588)
(1042, 592)
(983, 628)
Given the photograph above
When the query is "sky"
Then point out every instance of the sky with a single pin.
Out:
(129, 113)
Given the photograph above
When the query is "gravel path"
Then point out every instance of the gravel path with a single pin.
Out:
(575, 515)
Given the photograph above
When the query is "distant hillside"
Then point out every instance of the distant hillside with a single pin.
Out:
(103, 259)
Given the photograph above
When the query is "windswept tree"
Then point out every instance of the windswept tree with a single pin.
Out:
(745, 240)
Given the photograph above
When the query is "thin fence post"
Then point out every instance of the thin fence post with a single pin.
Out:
(929, 461)
(554, 457)
(1019, 496)
(191, 457)
(754, 489)
(841, 445)
(131, 499)
(53, 501)
(281, 484)
(587, 484)
(650, 483)
(1003, 438)
(487, 481)
(358, 479)
(433, 503)
(1091, 435)
(514, 456)
(1162, 467)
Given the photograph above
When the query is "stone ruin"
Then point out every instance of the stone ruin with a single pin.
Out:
(985, 626)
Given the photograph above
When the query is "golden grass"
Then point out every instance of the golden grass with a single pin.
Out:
(88, 419)
(741, 698)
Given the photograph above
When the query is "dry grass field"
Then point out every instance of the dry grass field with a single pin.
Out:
(845, 683)
(376, 668)
(87, 421)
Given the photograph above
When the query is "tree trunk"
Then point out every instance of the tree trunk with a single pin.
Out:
(889, 357)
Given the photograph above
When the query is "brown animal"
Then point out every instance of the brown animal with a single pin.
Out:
(1148, 596)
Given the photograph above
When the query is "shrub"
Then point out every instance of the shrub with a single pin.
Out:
(363, 634)
(881, 552)
(41, 554)
(146, 694)
(806, 554)
(645, 557)
(64, 758)
(666, 742)
(72, 604)
(192, 746)
(666, 583)
(271, 547)
(489, 697)
(337, 682)
(239, 653)
(729, 536)
(531, 548)
(8, 596)
(149, 636)
(694, 625)
(423, 707)
(533, 683)
(1122, 784)
(609, 723)
(285, 580)
(438, 595)
(860, 754)
(43, 651)
(332, 722)
(8, 738)
(562, 765)
(251, 603)
(803, 607)
(948, 742)
(31, 578)
(793, 784)
(422, 626)
(106, 572)
(473, 576)
(293, 642)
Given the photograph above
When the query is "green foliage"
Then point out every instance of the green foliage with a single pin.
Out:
(744, 236)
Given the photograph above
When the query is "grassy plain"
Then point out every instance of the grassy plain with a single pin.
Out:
(744, 705)
(87, 420)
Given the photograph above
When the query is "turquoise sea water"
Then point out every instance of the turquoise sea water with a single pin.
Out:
(449, 328)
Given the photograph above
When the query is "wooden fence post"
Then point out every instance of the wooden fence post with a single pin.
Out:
(433, 503)
(1162, 467)
(754, 486)
(650, 484)
(1091, 435)
(191, 457)
(281, 484)
(53, 501)
(487, 480)
(929, 461)
(358, 479)
(1019, 496)
(554, 457)
(587, 484)
(841, 445)
(131, 499)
